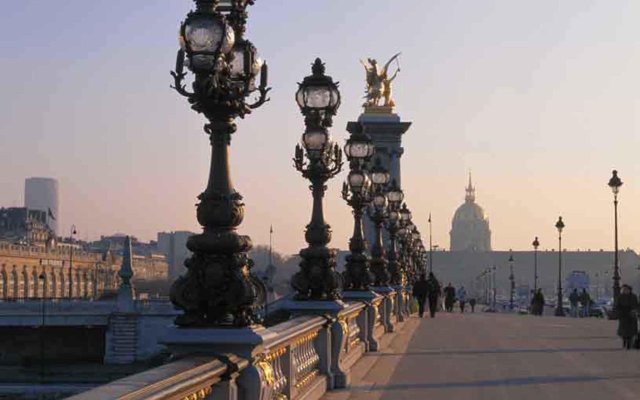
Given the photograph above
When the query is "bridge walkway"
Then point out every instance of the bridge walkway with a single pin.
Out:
(485, 356)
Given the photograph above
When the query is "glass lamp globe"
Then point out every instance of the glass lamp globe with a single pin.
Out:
(395, 196)
(315, 140)
(204, 37)
(357, 180)
(379, 175)
(245, 64)
(379, 201)
(394, 216)
(405, 214)
(318, 92)
(359, 148)
(615, 182)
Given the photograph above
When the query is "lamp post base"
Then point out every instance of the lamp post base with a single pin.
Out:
(559, 312)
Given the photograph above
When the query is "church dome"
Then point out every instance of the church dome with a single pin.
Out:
(469, 212)
(470, 227)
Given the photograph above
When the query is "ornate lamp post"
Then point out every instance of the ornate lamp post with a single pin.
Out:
(357, 193)
(218, 288)
(559, 309)
(318, 160)
(512, 281)
(394, 198)
(72, 233)
(377, 210)
(535, 245)
(614, 184)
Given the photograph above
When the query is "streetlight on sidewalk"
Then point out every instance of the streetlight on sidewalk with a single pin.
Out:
(535, 244)
(559, 309)
(614, 184)
(73, 232)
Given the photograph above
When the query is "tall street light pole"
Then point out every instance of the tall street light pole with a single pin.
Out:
(559, 309)
(535, 244)
(430, 246)
(318, 159)
(42, 277)
(614, 184)
(356, 191)
(218, 288)
(73, 232)
(377, 211)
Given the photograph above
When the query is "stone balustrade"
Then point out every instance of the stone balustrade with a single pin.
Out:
(301, 358)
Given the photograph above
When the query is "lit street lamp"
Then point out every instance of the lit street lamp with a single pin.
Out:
(559, 308)
(614, 184)
(393, 224)
(357, 193)
(218, 288)
(377, 211)
(535, 244)
(318, 159)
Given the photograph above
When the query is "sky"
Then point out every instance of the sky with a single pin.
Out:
(539, 99)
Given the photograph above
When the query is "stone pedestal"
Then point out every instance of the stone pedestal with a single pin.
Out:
(369, 298)
(243, 342)
(331, 343)
(401, 302)
(388, 305)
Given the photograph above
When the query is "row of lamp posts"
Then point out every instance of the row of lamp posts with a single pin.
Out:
(614, 183)
(218, 288)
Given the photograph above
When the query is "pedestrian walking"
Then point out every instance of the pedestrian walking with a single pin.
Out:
(433, 293)
(449, 297)
(537, 303)
(472, 303)
(573, 299)
(626, 307)
(585, 303)
(462, 298)
(420, 290)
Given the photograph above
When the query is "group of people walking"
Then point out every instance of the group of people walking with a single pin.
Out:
(580, 303)
(430, 289)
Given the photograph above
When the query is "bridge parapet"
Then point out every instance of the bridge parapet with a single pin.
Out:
(301, 358)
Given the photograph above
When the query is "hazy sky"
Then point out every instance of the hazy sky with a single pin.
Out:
(538, 98)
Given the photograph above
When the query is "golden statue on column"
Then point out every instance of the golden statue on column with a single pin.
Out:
(379, 83)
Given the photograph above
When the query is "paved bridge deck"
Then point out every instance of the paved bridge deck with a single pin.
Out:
(497, 356)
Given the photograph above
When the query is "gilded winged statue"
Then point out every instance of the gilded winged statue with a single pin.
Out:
(379, 82)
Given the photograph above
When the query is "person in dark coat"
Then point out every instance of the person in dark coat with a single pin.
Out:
(449, 297)
(537, 304)
(626, 308)
(433, 293)
(472, 303)
(420, 290)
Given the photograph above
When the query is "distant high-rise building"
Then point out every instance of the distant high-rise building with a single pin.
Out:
(42, 194)
(470, 227)
(174, 246)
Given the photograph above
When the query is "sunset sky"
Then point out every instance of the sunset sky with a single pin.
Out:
(539, 99)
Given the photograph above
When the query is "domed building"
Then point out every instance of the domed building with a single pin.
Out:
(470, 227)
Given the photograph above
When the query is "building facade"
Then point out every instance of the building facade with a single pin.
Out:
(174, 247)
(42, 194)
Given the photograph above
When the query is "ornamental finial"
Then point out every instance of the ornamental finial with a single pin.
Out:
(318, 67)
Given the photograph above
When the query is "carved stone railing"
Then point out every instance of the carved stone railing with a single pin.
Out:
(191, 378)
(301, 358)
